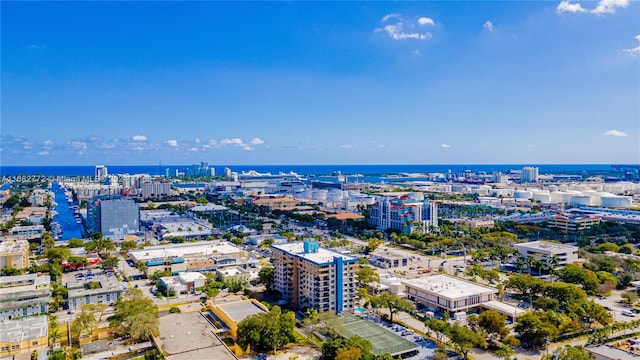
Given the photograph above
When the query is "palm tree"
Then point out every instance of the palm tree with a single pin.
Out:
(520, 264)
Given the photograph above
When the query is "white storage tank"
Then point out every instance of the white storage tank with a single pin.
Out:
(334, 195)
(522, 194)
(584, 200)
(615, 201)
(542, 196)
(319, 194)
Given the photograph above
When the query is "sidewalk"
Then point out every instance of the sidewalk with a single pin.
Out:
(122, 350)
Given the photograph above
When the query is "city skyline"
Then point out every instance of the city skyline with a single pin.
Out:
(320, 83)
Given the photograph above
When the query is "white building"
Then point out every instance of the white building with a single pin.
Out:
(24, 295)
(155, 189)
(529, 174)
(448, 293)
(544, 251)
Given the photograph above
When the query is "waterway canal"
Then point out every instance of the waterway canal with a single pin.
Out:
(70, 228)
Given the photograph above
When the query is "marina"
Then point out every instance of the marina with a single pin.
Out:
(69, 225)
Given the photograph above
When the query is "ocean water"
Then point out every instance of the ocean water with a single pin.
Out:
(307, 170)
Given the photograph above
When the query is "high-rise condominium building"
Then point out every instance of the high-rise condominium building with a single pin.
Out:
(529, 174)
(308, 275)
(101, 172)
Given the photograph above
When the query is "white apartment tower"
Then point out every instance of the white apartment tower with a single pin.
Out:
(529, 174)
(101, 172)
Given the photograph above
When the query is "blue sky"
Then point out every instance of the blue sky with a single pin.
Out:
(320, 82)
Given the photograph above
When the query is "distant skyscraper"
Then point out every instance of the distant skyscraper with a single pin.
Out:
(114, 217)
(529, 174)
(101, 172)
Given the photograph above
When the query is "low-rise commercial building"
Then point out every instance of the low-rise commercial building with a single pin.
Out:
(448, 293)
(184, 283)
(386, 258)
(571, 223)
(24, 295)
(545, 251)
(233, 312)
(196, 256)
(28, 232)
(92, 289)
(190, 336)
(23, 335)
(14, 254)
(186, 228)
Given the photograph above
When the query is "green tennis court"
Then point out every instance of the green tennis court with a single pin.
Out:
(382, 340)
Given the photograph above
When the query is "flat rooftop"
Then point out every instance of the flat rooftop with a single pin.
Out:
(13, 246)
(189, 336)
(191, 250)
(449, 287)
(610, 352)
(26, 328)
(503, 308)
(78, 287)
(547, 246)
(322, 256)
(240, 310)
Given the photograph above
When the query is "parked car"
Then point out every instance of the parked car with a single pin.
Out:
(628, 313)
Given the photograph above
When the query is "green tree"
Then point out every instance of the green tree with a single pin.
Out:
(463, 339)
(367, 277)
(141, 266)
(136, 315)
(74, 243)
(128, 245)
(525, 286)
(569, 352)
(505, 351)
(331, 348)
(534, 329)
(110, 262)
(267, 331)
(84, 324)
(54, 332)
(266, 277)
(493, 323)
(392, 302)
(373, 244)
(629, 297)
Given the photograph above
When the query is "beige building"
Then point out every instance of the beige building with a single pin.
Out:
(14, 254)
(280, 202)
(310, 276)
(23, 335)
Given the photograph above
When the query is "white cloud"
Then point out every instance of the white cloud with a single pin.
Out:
(426, 21)
(172, 143)
(197, 140)
(445, 146)
(47, 144)
(193, 149)
(346, 146)
(257, 141)
(635, 50)
(395, 32)
(488, 25)
(43, 153)
(616, 133)
(415, 52)
(531, 145)
(77, 145)
(213, 142)
(234, 141)
(566, 6)
(609, 6)
(139, 138)
(389, 16)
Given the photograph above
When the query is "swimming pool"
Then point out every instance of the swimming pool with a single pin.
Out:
(360, 310)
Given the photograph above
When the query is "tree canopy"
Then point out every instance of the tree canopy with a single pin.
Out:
(136, 315)
(267, 331)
